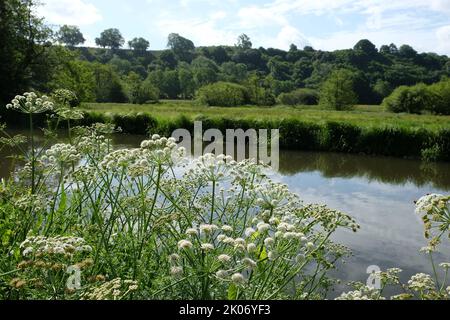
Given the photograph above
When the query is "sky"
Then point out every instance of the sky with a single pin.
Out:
(322, 24)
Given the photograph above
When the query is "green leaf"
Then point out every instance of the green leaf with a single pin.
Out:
(63, 202)
(255, 236)
(263, 254)
(232, 292)
(6, 236)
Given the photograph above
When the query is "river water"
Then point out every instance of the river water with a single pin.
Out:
(377, 191)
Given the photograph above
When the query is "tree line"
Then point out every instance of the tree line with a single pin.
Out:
(37, 58)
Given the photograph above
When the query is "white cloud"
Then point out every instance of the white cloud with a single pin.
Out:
(283, 39)
(385, 21)
(201, 32)
(443, 37)
(72, 12)
(258, 17)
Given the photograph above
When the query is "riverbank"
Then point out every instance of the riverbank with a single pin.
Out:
(367, 129)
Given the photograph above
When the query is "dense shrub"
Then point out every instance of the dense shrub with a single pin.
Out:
(223, 94)
(442, 92)
(414, 99)
(299, 97)
(261, 96)
(337, 92)
(145, 93)
(137, 123)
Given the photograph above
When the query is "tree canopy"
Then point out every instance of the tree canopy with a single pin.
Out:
(70, 35)
(110, 38)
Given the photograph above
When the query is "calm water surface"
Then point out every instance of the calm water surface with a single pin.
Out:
(377, 191)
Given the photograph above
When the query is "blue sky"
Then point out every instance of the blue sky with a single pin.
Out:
(323, 24)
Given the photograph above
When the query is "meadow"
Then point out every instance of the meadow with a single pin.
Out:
(362, 115)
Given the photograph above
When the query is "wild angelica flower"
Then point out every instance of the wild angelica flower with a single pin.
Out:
(62, 152)
(445, 265)
(251, 247)
(31, 103)
(269, 242)
(428, 249)
(274, 220)
(176, 271)
(65, 98)
(115, 289)
(191, 232)
(421, 282)
(184, 244)
(37, 202)
(70, 114)
(54, 245)
(227, 228)
(207, 246)
(238, 279)
(228, 240)
(249, 263)
(427, 202)
(272, 255)
(364, 293)
(207, 228)
(249, 232)
(224, 258)
(263, 227)
(222, 274)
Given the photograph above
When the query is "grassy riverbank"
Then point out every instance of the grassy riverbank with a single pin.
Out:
(366, 129)
(363, 116)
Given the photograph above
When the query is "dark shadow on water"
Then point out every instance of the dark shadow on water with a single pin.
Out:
(373, 168)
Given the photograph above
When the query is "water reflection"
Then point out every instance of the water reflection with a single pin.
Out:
(379, 169)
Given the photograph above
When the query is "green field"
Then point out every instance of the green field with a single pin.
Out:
(363, 116)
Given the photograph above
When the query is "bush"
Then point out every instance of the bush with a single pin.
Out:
(412, 99)
(337, 92)
(147, 92)
(223, 94)
(299, 97)
(442, 92)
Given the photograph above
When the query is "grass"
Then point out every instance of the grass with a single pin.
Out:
(362, 115)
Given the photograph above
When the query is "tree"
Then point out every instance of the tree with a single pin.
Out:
(139, 91)
(74, 75)
(186, 80)
(111, 38)
(205, 71)
(24, 40)
(337, 91)
(167, 59)
(182, 48)
(243, 42)
(233, 72)
(412, 99)
(222, 94)
(407, 51)
(367, 47)
(139, 44)
(108, 87)
(70, 36)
